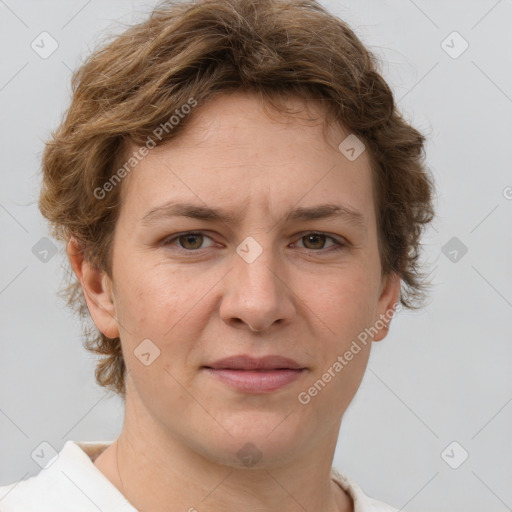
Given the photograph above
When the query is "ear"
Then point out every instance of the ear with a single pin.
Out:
(97, 288)
(388, 301)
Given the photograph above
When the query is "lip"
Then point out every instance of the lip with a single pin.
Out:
(256, 375)
(256, 381)
(245, 362)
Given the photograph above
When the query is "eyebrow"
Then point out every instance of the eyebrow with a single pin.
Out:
(193, 211)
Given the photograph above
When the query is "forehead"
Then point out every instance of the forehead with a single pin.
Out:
(233, 153)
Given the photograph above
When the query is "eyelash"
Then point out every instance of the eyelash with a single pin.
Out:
(338, 246)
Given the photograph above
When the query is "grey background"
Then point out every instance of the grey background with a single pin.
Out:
(442, 375)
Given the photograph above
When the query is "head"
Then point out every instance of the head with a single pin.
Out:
(238, 116)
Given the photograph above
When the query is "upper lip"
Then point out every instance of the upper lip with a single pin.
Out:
(245, 362)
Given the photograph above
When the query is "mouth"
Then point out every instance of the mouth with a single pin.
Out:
(255, 381)
(255, 375)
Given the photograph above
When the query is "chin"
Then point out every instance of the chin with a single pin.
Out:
(261, 441)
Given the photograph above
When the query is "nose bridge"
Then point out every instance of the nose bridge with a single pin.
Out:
(256, 266)
(256, 294)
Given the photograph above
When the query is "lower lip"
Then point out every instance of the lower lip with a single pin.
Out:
(251, 381)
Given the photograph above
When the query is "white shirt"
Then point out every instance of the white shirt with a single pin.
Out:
(72, 483)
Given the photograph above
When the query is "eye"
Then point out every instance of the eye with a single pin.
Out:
(190, 241)
(316, 241)
(193, 241)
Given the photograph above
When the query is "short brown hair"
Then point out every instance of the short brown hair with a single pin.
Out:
(198, 49)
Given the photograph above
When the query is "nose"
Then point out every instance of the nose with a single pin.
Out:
(257, 293)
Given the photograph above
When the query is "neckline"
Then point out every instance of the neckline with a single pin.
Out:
(93, 449)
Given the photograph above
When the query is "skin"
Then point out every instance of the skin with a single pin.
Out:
(183, 428)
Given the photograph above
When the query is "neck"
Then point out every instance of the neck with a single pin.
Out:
(159, 472)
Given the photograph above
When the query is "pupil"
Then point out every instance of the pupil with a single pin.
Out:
(190, 239)
(318, 238)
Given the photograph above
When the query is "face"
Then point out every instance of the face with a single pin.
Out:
(254, 237)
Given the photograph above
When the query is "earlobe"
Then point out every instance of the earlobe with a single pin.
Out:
(388, 302)
(97, 289)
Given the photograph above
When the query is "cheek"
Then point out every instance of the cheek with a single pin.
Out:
(162, 302)
(155, 307)
(344, 300)
(148, 300)
(345, 306)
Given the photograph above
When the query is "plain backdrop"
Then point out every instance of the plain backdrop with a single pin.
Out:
(437, 389)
